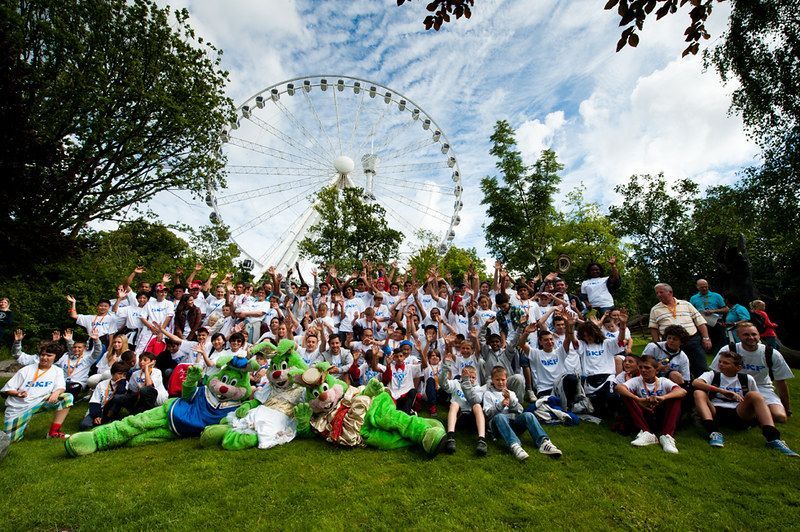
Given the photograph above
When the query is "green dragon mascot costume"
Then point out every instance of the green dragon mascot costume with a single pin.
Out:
(364, 415)
(199, 406)
(268, 419)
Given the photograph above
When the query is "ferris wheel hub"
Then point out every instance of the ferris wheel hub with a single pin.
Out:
(344, 164)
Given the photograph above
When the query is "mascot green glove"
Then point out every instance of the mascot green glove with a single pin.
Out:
(268, 419)
(188, 415)
(364, 415)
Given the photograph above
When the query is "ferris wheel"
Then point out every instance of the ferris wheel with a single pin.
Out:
(296, 137)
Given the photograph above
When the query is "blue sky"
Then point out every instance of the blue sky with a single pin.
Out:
(547, 66)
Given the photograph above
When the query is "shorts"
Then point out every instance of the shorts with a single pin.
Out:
(15, 428)
(770, 397)
(727, 417)
(466, 421)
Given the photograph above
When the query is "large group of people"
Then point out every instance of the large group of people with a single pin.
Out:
(502, 356)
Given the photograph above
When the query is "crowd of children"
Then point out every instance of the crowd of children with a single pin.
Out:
(504, 358)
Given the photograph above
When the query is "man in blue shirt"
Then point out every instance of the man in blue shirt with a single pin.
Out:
(712, 306)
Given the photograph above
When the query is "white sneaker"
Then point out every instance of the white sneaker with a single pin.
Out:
(519, 452)
(549, 449)
(531, 396)
(668, 444)
(644, 438)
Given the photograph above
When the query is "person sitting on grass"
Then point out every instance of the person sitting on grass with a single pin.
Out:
(77, 361)
(767, 366)
(101, 401)
(143, 391)
(463, 410)
(727, 397)
(402, 378)
(34, 388)
(504, 411)
(674, 364)
(654, 404)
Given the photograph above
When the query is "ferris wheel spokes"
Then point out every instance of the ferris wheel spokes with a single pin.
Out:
(306, 133)
(271, 189)
(430, 211)
(273, 152)
(314, 156)
(417, 185)
(253, 222)
(322, 129)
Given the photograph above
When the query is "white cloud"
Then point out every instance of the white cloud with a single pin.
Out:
(533, 136)
(548, 67)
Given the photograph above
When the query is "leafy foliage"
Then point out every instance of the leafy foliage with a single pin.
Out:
(519, 206)
(455, 263)
(349, 230)
(106, 103)
(102, 261)
(443, 9)
(633, 14)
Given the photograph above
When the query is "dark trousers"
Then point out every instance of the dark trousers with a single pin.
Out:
(430, 391)
(133, 402)
(693, 347)
(405, 402)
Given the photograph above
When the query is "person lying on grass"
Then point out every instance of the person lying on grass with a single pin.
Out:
(654, 404)
(34, 388)
(727, 397)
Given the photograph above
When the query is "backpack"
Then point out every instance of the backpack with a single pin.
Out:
(767, 356)
(742, 381)
(759, 321)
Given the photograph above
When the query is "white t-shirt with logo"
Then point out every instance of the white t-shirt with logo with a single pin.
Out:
(402, 381)
(598, 359)
(137, 381)
(755, 363)
(547, 367)
(38, 390)
(661, 387)
(108, 324)
(597, 293)
(352, 308)
(730, 384)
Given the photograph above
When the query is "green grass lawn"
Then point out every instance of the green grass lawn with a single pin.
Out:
(600, 483)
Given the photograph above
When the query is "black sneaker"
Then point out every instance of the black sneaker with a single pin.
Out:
(481, 449)
(450, 444)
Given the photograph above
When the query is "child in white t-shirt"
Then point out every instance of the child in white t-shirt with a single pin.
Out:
(402, 378)
(674, 364)
(461, 407)
(34, 388)
(654, 404)
(731, 398)
(144, 390)
(100, 405)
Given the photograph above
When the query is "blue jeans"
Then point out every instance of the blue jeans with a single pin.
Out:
(503, 425)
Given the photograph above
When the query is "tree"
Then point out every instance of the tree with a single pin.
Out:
(520, 207)
(455, 262)
(349, 230)
(211, 245)
(657, 217)
(108, 103)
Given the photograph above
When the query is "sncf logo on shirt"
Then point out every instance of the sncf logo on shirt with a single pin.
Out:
(754, 367)
(591, 353)
(550, 362)
(399, 377)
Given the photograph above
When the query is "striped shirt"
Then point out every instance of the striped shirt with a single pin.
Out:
(685, 315)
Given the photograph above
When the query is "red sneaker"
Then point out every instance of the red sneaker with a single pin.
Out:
(58, 435)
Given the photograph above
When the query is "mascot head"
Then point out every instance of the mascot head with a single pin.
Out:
(323, 390)
(284, 359)
(232, 383)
